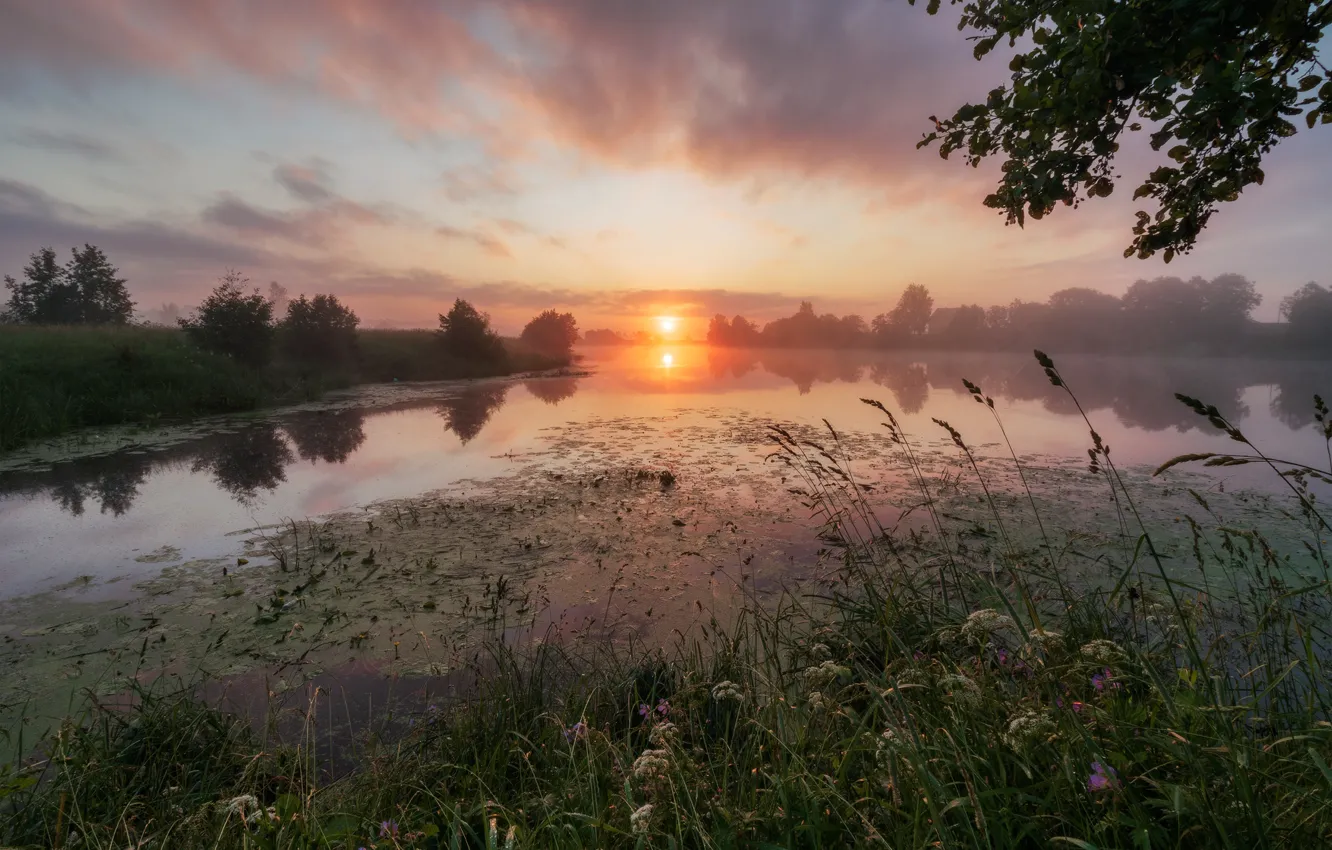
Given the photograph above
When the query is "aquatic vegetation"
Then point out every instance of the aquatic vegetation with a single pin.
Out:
(932, 683)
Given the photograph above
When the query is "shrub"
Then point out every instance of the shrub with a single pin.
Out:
(551, 333)
(234, 323)
(319, 330)
(466, 334)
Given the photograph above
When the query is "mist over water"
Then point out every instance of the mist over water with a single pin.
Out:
(67, 511)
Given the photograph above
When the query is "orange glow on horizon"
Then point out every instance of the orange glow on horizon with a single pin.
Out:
(667, 324)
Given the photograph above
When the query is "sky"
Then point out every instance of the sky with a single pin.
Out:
(621, 159)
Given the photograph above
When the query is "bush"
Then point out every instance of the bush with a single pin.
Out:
(466, 334)
(233, 323)
(319, 330)
(551, 333)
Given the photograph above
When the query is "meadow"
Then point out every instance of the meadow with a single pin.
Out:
(57, 379)
(964, 683)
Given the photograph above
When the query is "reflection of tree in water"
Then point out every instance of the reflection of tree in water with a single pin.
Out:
(1293, 403)
(328, 436)
(115, 487)
(737, 362)
(552, 390)
(807, 368)
(908, 382)
(246, 462)
(468, 412)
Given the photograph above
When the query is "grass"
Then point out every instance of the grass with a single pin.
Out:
(923, 695)
(57, 379)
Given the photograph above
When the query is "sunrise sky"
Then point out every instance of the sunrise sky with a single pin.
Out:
(623, 160)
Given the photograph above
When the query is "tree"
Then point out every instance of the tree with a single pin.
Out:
(44, 295)
(551, 333)
(1214, 83)
(40, 297)
(1227, 302)
(466, 334)
(912, 314)
(99, 293)
(319, 330)
(234, 323)
(87, 290)
(1309, 312)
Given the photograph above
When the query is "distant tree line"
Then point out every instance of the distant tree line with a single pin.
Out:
(1163, 314)
(239, 321)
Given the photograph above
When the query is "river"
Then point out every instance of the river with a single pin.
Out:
(546, 493)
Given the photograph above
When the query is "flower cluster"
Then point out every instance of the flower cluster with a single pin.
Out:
(888, 745)
(641, 819)
(652, 767)
(981, 624)
(663, 734)
(1044, 641)
(824, 675)
(817, 704)
(960, 690)
(727, 691)
(1102, 652)
(1027, 728)
(663, 708)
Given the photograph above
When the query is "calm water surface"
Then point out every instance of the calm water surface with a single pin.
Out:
(116, 508)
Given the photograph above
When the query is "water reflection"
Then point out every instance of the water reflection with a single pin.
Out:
(552, 390)
(244, 463)
(468, 412)
(328, 436)
(252, 460)
(1139, 391)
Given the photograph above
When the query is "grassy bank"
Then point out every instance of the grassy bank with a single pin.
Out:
(960, 688)
(56, 379)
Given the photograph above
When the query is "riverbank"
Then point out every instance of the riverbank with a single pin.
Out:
(54, 379)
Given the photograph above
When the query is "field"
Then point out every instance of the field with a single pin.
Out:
(57, 379)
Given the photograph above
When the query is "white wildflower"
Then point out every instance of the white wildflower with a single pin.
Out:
(652, 766)
(888, 745)
(817, 704)
(663, 734)
(727, 691)
(959, 689)
(244, 805)
(1102, 652)
(820, 652)
(1043, 640)
(1026, 728)
(824, 675)
(641, 819)
(981, 624)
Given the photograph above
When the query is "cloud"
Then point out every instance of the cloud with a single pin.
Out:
(324, 216)
(85, 147)
(490, 243)
(477, 182)
(309, 183)
(30, 218)
(807, 86)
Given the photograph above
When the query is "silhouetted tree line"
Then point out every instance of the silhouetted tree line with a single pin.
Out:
(1164, 314)
(242, 323)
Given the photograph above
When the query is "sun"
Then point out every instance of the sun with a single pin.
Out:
(667, 324)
